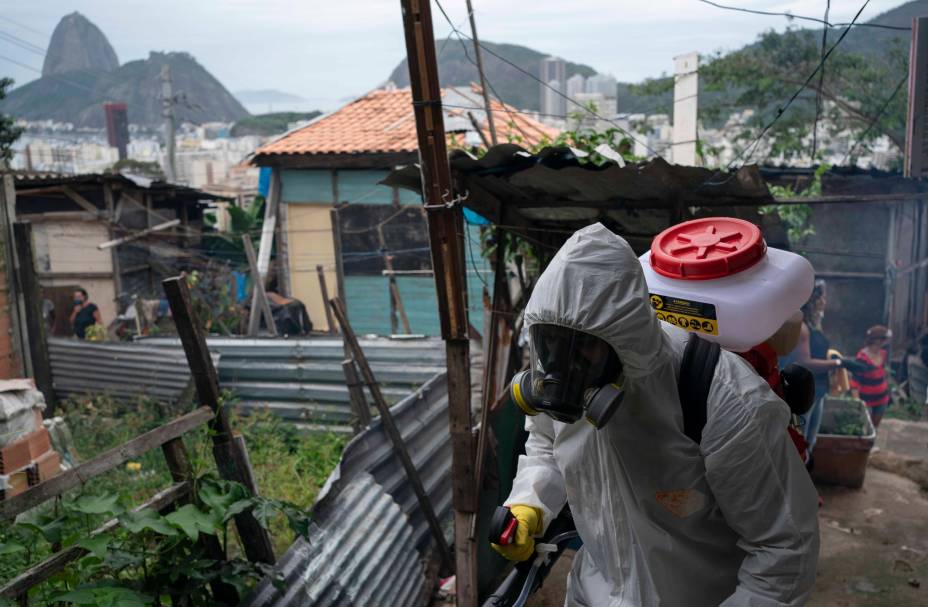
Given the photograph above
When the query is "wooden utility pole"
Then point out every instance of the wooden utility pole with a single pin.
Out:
(446, 231)
(483, 79)
(27, 283)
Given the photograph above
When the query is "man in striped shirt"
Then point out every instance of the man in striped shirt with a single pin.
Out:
(871, 383)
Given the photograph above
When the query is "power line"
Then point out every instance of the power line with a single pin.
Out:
(23, 44)
(24, 26)
(781, 110)
(804, 18)
(545, 84)
(875, 120)
(821, 83)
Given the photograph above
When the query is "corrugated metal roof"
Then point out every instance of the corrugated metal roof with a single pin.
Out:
(302, 381)
(382, 121)
(25, 180)
(124, 371)
(369, 540)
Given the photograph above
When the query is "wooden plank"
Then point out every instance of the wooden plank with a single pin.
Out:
(389, 426)
(337, 245)
(324, 289)
(114, 254)
(28, 284)
(257, 542)
(82, 202)
(266, 244)
(258, 288)
(42, 571)
(396, 302)
(362, 411)
(105, 461)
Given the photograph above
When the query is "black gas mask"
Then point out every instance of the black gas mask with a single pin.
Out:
(572, 375)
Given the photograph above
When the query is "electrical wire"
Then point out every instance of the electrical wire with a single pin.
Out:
(782, 110)
(24, 26)
(875, 119)
(545, 84)
(804, 18)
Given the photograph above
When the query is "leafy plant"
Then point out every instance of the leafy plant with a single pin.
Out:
(9, 132)
(796, 216)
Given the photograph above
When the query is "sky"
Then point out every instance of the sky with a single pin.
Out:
(330, 52)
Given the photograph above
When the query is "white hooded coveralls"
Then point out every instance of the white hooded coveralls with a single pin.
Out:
(731, 521)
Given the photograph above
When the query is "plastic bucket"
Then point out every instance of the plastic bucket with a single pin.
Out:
(842, 459)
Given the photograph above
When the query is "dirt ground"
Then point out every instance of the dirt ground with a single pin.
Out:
(874, 540)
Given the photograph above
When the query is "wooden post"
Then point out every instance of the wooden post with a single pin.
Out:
(16, 308)
(497, 325)
(266, 244)
(257, 542)
(175, 454)
(396, 302)
(324, 290)
(389, 426)
(483, 81)
(362, 411)
(28, 285)
(258, 289)
(446, 232)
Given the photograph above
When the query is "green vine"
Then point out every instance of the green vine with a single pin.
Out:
(796, 217)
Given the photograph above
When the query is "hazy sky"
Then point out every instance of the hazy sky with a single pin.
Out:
(329, 51)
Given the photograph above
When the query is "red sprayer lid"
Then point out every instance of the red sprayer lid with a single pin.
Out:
(712, 247)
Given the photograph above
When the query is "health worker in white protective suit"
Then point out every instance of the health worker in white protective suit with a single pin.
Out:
(664, 521)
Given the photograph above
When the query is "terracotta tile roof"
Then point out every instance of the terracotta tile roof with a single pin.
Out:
(382, 121)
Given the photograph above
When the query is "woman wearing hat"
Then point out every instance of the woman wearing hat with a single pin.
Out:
(871, 383)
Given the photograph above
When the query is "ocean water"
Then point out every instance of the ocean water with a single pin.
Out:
(368, 300)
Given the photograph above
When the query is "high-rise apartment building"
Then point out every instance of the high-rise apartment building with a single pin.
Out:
(554, 75)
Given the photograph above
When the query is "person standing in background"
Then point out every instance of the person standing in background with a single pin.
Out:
(870, 381)
(812, 353)
(84, 314)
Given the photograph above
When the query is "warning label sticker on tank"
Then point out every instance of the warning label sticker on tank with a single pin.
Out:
(687, 314)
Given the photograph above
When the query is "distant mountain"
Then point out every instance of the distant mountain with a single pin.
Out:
(266, 96)
(512, 86)
(81, 73)
(517, 89)
(77, 44)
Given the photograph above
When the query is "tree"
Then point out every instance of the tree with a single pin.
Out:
(9, 132)
(856, 91)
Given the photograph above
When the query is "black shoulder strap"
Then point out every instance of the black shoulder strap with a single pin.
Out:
(696, 372)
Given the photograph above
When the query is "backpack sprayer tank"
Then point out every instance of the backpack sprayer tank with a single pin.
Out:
(716, 277)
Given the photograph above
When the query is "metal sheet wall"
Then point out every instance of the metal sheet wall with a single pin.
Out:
(301, 380)
(124, 371)
(368, 540)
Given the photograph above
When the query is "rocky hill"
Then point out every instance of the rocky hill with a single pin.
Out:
(77, 44)
(81, 72)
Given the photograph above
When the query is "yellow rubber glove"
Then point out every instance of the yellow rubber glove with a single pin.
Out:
(530, 525)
